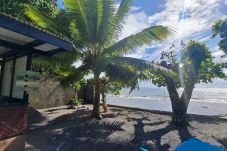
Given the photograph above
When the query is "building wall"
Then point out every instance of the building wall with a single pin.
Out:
(49, 94)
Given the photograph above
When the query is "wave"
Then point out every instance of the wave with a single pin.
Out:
(165, 99)
(199, 94)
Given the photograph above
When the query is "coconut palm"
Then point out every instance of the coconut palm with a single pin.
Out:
(95, 28)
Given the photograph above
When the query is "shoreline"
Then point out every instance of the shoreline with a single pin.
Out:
(196, 107)
(156, 98)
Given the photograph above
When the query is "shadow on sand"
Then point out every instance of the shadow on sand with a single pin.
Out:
(77, 131)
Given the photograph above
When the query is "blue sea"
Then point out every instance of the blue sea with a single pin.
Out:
(206, 99)
(208, 94)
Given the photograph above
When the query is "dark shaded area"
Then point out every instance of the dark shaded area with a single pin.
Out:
(223, 142)
(203, 119)
(17, 144)
(78, 132)
(155, 136)
(34, 116)
(120, 130)
(53, 110)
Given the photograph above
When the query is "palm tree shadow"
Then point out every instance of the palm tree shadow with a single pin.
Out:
(223, 142)
(140, 136)
(78, 132)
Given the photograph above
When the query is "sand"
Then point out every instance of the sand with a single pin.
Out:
(121, 129)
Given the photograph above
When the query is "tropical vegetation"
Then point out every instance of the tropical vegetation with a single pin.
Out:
(16, 7)
(95, 28)
(220, 28)
(195, 65)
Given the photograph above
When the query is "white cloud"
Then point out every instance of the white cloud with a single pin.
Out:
(135, 23)
(218, 53)
(198, 15)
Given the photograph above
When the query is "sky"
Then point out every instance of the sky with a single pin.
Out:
(190, 19)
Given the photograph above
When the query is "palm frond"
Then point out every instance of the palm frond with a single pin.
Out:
(39, 18)
(126, 74)
(105, 20)
(142, 65)
(74, 33)
(115, 28)
(76, 11)
(100, 13)
(100, 64)
(146, 37)
(58, 63)
(74, 76)
(92, 17)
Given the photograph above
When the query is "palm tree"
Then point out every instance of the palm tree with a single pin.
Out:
(95, 27)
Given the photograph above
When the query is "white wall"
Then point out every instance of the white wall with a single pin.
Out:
(6, 81)
(20, 67)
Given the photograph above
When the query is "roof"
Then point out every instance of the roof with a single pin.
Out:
(17, 35)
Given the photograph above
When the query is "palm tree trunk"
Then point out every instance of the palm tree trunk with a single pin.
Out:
(96, 101)
(104, 102)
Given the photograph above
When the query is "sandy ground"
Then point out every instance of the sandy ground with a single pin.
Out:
(121, 129)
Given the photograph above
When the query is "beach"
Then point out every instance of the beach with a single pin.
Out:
(121, 129)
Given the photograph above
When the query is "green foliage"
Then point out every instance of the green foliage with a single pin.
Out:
(15, 7)
(111, 87)
(74, 102)
(220, 27)
(95, 27)
(77, 85)
(194, 56)
(60, 64)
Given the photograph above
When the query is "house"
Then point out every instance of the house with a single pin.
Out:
(19, 42)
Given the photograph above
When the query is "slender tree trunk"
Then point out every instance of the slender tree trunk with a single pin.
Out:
(180, 104)
(104, 102)
(179, 107)
(96, 101)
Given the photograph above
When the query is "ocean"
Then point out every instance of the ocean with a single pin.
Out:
(201, 94)
(204, 101)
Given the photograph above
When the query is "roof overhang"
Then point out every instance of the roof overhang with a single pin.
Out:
(16, 37)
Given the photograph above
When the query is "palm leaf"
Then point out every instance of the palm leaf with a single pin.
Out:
(115, 28)
(57, 63)
(74, 33)
(74, 76)
(146, 37)
(100, 13)
(92, 17)
(39, 18)
(126, 74)
(76, 11)
(142, 65)
(105, 21)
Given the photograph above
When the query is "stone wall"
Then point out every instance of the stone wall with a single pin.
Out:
(49, 94)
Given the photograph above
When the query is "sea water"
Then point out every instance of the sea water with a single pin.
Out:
(200, 94)
(204, 101)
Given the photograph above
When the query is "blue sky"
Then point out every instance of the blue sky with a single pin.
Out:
(191, 20)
